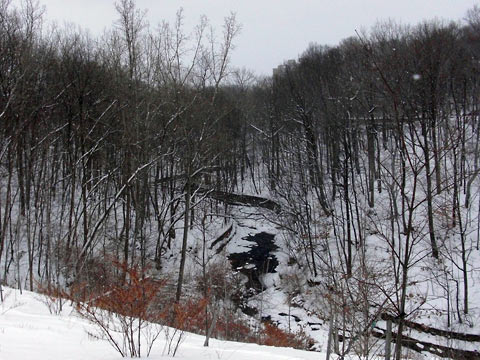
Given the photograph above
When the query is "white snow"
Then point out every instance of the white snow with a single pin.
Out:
(29, 331)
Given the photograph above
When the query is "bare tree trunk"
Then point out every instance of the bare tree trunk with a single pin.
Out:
(330, 337)
(388, 340)
(211, 327)
(426, 150)
(371, 160)
(346, 190)
(186, 226)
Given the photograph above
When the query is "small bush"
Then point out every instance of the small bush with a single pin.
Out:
(231, 327)
(274, 336)
(188, 316)
(126, 315)
(53, 298)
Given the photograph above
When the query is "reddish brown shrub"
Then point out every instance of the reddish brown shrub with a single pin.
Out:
(125, 314)
(274, 336)
(230, 327)
(190, 315)
(53, 297)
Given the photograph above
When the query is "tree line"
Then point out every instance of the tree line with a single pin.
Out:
(372, 147)
(103, 140)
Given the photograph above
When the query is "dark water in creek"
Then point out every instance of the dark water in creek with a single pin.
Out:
(257, 261)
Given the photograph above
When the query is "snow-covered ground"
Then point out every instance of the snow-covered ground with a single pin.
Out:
(29, 331)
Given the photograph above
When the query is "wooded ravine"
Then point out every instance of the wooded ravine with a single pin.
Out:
(355, 167)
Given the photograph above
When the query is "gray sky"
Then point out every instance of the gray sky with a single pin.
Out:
(272, 30)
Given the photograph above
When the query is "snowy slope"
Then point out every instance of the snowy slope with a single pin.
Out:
(29, 331)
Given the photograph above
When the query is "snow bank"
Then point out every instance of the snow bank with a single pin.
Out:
(29, 331)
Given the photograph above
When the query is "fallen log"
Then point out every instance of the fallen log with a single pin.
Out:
(225, 235)
(435, 349)
(241, 199)
(433, 331)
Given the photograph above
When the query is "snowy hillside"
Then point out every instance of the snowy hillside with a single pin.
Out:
(29, 331)
(337, 199)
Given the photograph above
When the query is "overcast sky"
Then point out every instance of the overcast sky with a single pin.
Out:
(272, 30)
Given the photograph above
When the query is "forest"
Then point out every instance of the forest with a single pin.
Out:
(144, 149)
